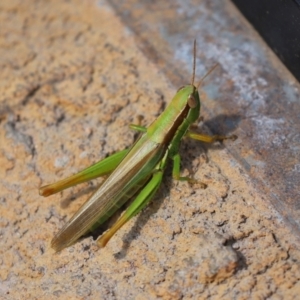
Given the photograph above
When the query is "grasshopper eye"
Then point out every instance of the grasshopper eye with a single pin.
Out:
(192, 103)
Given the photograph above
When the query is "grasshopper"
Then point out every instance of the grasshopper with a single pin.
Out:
(134, 173)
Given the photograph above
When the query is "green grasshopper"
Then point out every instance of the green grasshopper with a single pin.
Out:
(136, 172)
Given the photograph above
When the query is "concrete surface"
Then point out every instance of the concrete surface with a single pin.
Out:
(74, 75)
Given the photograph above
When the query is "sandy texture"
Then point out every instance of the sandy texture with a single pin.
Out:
(72, 79)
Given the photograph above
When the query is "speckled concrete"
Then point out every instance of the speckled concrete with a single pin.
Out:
(73, 77)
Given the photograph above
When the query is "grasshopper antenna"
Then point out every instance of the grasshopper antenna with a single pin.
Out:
(207, 73)
(194, 63)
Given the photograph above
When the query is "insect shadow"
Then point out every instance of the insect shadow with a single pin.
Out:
(228, 124)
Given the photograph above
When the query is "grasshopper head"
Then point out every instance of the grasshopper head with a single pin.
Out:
(189, 93)
(189, 97)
